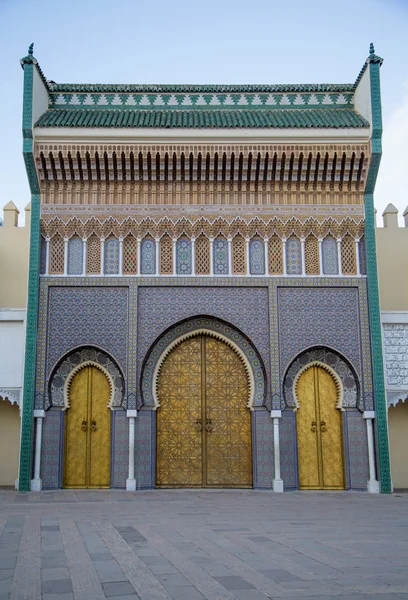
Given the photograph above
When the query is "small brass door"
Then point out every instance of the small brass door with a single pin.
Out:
(203, 424)
(87, 431)
(319, 432)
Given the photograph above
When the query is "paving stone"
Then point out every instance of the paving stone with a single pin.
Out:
(234, 582)
(185, 593)
(279, 575)
(173, 580)
(56, 586)
(58, 597)
(50, 574)
(120, 588)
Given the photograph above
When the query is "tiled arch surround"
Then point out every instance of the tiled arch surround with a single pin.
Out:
(132, 314)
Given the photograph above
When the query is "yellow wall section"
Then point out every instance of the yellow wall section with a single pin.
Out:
(398, 428)
(9, 442)
(14, 250)
(392, 250)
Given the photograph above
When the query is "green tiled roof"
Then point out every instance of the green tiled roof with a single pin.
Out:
(168, 88)
(260, 118)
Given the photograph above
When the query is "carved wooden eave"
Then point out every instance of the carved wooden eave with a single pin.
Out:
(142, 173)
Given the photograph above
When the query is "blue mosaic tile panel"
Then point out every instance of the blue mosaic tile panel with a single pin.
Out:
(330, 258)
(43, 256)
(183, 256)
(257, 257)
(293, 256)
(87, 316)
(148, 257)
(51, 451)
(288, 449)
(262, 447)
(220, 256)
(362, 256)
(145, 439)
(75, 256)
(357, 450)
(120, 449)
(304, 314)
(111, 256)
(246, 308)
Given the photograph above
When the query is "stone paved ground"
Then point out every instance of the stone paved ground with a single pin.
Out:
(190, 545)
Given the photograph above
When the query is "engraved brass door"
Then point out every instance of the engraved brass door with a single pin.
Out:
(87, 431)
(203, 424)
(319, 432)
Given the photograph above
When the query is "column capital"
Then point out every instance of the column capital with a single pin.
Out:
(39, 414)
(369, 414)
(131, 413)
(276, 414)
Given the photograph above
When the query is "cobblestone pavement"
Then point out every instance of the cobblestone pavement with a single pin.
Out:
(195, 544)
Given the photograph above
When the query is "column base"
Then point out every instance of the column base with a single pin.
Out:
(36, 485)
(130, 485)
(277, 485)
(373, 486)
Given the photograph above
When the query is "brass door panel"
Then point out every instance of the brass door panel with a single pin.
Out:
(228, 441)
(87, 432)
(179, 451)
(203, 425)
(319, 432)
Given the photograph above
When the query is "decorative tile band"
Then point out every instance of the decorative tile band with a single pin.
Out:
(197, 101)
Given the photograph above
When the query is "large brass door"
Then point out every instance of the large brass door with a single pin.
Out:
(203, 424)
(319, 432)
(87, 431)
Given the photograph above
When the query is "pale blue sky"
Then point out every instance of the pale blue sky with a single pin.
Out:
(224, 41)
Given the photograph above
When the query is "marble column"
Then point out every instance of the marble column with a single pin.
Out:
(36, 483)
(373, 486)
(131, 481)
(277, 483)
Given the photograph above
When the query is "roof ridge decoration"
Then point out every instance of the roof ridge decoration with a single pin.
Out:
(31, 60)
(372, 58)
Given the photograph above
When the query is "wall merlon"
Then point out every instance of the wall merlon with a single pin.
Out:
(405, 215)
(11, 213)
(390, 216)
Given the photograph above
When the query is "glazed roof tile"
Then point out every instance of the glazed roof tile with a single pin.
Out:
(263, 118)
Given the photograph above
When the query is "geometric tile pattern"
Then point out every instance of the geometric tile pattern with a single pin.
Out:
(120, 449)
(43, 256)
(111, 258)
(293, 256)
(350, 386)
(330, 260)
(288, 449)
(304, 314)
(75, 251)
(51, 448)
(246, 309)
(220, 256)
(257, 257)
(55, 391)
(145, 443)
(357, 449)
(191, 325)
(262, 447)
(87, 316)
(184, 256)
(148, 257)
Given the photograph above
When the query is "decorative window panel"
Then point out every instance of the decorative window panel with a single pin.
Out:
(56, 255)
(330, 262)
(148, 256)
(43, 256)
(362, 256)
(220, 255)
(202, 255)
(129, 255)
(257, 257)
(75, 256)
(183, 250)
(293, 256)
(312, 255)
(275, 255)
(348, 256)
(238, 255)
(166, 255)
(111, 256)
(93, 255)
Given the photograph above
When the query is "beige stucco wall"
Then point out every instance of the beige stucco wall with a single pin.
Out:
(398, 428)
(392, 253)
(14, 251)
(9, 442)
